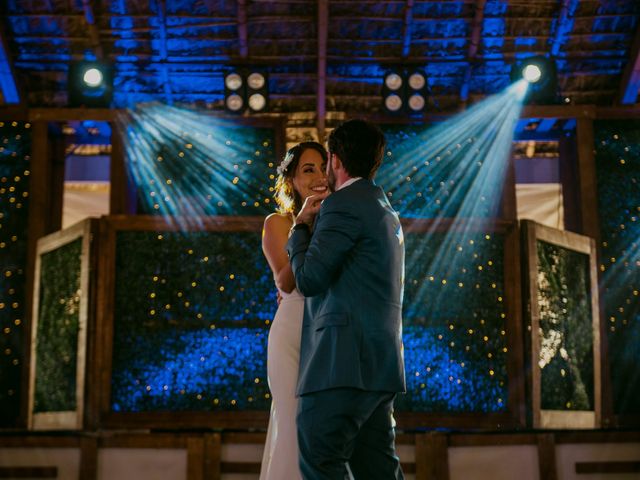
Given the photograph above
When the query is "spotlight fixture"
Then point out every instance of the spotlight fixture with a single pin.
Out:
(532, 73)
(93, 77)
(417, 91)
(541, 75)
(257, 91)
(393, 91)
(90, 84)
(404, 91)
(244, 89)
(234, 92)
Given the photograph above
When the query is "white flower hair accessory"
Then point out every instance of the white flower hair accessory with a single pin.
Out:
(282, 168)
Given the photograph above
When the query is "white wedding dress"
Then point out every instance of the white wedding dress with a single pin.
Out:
(280, 458)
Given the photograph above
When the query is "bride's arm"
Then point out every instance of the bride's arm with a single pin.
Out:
(274, 238)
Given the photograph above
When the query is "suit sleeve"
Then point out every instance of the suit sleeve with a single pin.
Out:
(316, 259)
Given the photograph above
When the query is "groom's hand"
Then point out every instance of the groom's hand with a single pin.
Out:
(310, 208)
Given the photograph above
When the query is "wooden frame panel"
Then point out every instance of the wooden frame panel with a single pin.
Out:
(515, 416)
(111, 225)
(205, 449)
(572, 241)
(105, 333)
(68, 419)
(586, 112)
(41, 188)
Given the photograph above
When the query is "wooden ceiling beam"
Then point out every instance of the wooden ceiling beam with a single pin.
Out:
(243, 35)
(162, 17)
(474, 42)
(71, 114)
(94, 34)
(558, 111)
(389, 41)
(564, 25)
(630, 83)
(321, 97)
(406, 28)
(292, 18)
(535, 111)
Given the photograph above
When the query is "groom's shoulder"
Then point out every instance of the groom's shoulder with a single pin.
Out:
(358, 197)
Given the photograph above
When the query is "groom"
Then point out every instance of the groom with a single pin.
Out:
(350, 266)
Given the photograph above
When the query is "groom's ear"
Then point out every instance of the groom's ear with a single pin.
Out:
(336, 163)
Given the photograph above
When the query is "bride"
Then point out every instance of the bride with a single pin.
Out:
(300, 175)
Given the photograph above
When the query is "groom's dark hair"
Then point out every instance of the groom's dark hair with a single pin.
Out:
(359, 145)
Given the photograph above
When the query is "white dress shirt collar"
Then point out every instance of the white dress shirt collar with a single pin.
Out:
(348, 182)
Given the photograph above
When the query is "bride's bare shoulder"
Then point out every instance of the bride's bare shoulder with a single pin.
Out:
(277, 221)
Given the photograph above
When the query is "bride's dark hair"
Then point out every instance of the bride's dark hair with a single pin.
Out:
(286, 197)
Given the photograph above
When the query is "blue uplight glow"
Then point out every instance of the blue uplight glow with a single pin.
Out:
(7, 82)
(455, 351)
(188, 164)
(217, 369)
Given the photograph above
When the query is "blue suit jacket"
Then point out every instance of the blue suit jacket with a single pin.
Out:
(351, 269)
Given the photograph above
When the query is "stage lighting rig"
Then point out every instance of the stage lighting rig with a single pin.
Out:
(532, 73)
(90, 84)
(257, 91)
(542, 77)
(245, 89)
(404, 91)
(234, 92)
(393, 92)
(417, 91)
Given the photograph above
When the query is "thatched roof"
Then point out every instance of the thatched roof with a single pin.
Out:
(177, 50)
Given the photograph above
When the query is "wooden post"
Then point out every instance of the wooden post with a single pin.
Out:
(122, 193)
(432, 458)
(590, 224)
(508, 209)
(39, 214)
(587, 175)
(103, 336)
(513, 326)
(57, 155)
(93, 386)
(568, 175)
(547, 456)
(88, 458)
(422, 466)
(195, 458)
(212, 456)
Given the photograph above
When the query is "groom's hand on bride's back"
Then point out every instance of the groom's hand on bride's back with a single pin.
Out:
(310, 208)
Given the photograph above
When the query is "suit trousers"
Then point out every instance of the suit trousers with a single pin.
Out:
(344, 426)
